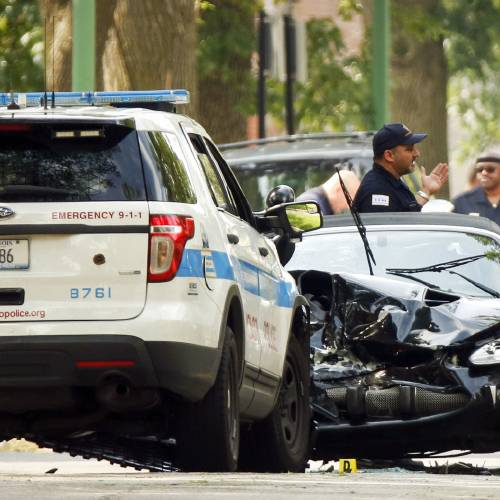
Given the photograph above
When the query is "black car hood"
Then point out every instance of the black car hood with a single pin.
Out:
(372, 310)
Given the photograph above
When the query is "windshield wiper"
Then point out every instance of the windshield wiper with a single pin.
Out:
(359, 224)
(437, 268)
(482, 287)
(414, 278)
(445, 266)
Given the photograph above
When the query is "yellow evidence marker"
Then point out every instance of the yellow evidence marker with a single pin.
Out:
(347, 465)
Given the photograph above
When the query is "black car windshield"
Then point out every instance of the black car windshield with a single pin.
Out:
(344, 252)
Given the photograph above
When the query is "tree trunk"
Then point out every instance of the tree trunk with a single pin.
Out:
(146, 45)
(57, 26)
(419, 77)
(140, 45)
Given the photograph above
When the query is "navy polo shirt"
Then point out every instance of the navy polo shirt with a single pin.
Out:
(380, 191)
(476, 202)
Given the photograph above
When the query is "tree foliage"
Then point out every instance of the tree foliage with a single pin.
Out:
(472, 33)
(336, 95)
(21, 46)
(473, 50)
(467, 31)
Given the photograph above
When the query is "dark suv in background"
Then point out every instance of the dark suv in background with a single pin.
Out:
(299, 161)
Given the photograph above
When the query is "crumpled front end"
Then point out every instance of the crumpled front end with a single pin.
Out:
(392, 371)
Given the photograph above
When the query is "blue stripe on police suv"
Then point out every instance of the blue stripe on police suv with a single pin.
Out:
(252, 278)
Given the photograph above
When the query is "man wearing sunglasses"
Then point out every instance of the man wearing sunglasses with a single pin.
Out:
(483, 200)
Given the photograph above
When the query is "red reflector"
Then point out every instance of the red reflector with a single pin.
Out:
(189, 227)
(14, 127)
(103, 364)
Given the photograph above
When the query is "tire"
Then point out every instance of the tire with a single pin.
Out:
(280, 443)
(209, 431)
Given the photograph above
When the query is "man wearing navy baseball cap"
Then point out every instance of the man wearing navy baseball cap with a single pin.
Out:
(395, 152)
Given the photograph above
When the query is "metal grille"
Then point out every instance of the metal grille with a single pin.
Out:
(382, 402)
(386, 402)
(337, 394)
(428, 402)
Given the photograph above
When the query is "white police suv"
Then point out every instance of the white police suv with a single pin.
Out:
(139, 295)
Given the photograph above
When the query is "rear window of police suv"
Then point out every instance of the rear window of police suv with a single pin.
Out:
(78, 163)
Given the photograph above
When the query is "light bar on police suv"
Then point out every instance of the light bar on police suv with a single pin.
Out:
(35, 99)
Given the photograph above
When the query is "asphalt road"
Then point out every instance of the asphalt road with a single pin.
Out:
(24, 476)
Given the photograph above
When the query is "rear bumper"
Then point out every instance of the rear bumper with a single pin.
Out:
(66, 361)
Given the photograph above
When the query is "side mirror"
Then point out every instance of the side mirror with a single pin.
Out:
(285, 223)
(290, 220)
(303, 217)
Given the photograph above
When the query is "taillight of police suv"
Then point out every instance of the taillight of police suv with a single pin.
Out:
(167, 239)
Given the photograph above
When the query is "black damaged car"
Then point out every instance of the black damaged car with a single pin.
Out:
(405, 346)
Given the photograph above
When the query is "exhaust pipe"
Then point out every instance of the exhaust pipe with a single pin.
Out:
(117, 394)
(114, 390)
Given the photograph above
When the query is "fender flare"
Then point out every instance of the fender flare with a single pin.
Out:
(299, 302)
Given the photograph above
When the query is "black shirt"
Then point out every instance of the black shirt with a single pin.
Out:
(318, 195)
(476, 202)
(380, 191)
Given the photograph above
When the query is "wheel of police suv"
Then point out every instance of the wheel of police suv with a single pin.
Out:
(209, 434)
(280, 443)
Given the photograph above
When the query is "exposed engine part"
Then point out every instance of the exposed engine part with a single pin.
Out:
(401, 401)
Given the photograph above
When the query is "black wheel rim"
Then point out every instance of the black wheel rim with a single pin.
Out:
(291, 407)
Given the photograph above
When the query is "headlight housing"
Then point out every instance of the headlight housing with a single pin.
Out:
(488, 354)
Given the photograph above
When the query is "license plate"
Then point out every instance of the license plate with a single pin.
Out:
(14, 254)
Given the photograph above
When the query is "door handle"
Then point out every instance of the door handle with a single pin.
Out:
(233, 238)
(263, 251)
